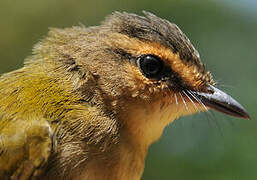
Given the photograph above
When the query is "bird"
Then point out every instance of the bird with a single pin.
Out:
(89, 101)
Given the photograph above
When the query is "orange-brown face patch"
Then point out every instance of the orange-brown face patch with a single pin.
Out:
(191, 75)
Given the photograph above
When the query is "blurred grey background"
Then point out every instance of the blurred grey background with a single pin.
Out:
(204, 146)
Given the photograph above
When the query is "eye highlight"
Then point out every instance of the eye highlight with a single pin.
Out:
(151, 66)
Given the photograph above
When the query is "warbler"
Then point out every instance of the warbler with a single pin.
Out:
(90, 101)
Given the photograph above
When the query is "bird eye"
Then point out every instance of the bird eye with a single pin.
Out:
(150, 65)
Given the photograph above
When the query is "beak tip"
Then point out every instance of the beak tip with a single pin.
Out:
(242, 113)
(246, 116)
(224, 103)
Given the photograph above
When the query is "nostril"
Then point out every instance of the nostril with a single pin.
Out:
(210, 89)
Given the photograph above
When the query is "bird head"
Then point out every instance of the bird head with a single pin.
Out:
(147, 72)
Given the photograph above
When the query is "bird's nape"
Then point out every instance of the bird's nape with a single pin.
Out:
(91, 100)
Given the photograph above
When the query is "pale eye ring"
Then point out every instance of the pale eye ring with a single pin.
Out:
(151, 66)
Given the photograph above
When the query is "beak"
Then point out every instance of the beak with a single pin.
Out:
(220, 101)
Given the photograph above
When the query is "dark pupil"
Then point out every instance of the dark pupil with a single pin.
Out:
(151, 66)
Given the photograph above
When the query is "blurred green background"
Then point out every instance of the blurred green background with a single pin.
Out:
(205, 146)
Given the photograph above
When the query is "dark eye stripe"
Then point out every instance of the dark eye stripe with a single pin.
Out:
(159, 71)
(121, 52)
(166, 75)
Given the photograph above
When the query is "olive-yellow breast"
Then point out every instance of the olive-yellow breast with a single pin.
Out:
(90, 101)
